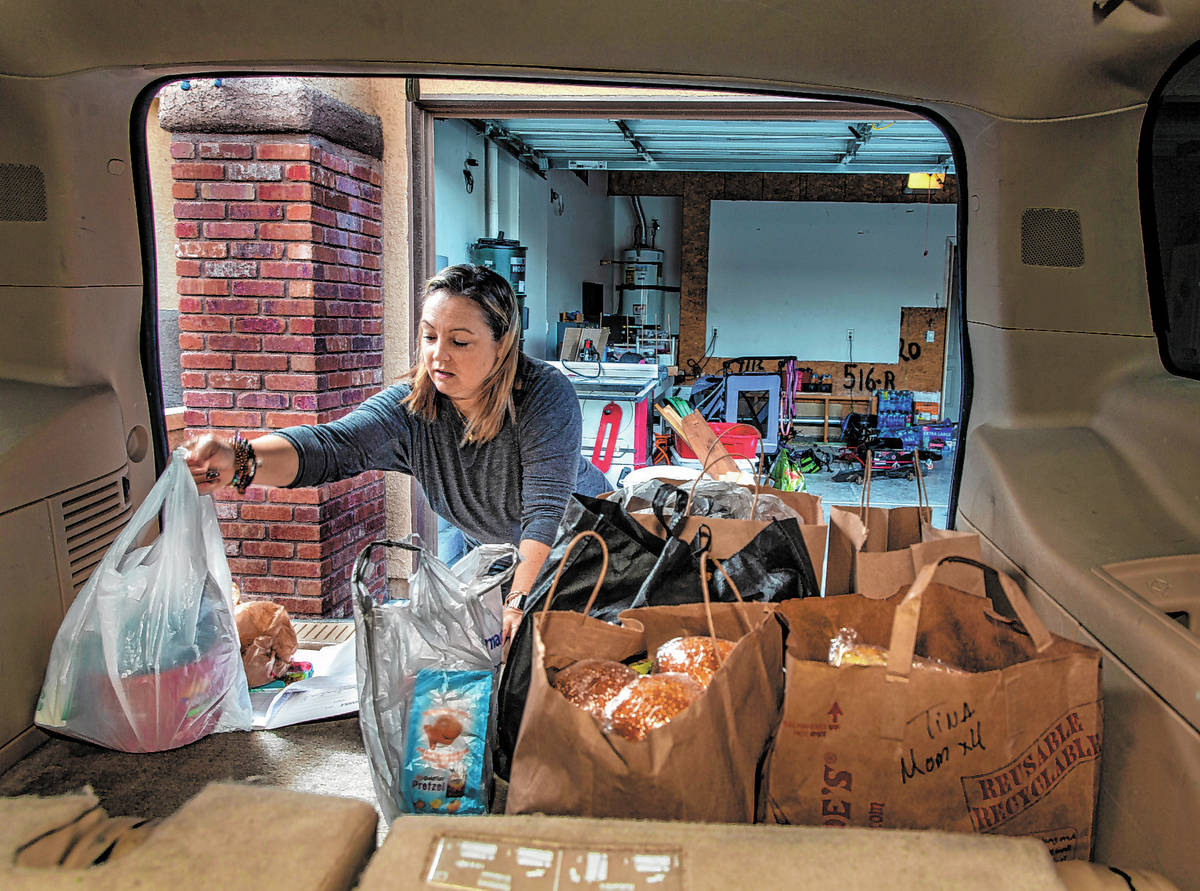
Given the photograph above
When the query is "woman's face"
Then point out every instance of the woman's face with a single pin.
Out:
(457, 346)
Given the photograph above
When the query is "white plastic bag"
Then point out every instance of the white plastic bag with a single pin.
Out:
(427, 671)
(147, 658)
(707, 498)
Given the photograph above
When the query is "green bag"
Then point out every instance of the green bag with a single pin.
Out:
(785, 474)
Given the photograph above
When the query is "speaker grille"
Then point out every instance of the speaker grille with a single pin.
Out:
(92, 517)
(22, 194)
(1051, 237)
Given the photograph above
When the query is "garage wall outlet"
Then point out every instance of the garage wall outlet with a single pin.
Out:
(929, 336)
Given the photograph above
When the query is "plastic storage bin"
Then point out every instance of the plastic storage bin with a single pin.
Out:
(741, 443)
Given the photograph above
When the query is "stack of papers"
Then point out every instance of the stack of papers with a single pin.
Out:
(331, 692)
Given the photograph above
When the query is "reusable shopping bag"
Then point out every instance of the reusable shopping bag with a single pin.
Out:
(427, 667)
(726, 535)
(770, 562)
(701, 766)
(875, 551)
(148, 656)
(786, 474)
(953, 718)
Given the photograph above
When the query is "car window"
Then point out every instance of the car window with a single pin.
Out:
(1171, 197)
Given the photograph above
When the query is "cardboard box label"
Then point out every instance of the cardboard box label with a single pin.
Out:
(500, 864)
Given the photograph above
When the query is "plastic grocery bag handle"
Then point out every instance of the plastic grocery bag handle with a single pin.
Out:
(361, 594)
(173, 482)
(908, 614)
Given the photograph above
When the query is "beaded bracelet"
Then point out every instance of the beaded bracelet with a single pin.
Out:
(245, 464)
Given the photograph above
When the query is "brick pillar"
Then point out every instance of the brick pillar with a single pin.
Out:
(280, 318)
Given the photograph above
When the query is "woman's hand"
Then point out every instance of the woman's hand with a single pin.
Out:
(533, 555)
(511, 619)
(210, 460)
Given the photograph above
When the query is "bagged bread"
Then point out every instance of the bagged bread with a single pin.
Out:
(592, 683)
(696, 656)
(846, 649)
(647, 703)
(268, 640)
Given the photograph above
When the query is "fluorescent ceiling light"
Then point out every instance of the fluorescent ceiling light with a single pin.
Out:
(926, 180)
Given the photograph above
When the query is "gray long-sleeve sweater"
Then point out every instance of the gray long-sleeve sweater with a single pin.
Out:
(511, 488)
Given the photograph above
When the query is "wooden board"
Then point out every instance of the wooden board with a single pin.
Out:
(702, 440)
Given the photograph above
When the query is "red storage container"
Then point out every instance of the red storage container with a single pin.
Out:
(163, 710)
(740, 443)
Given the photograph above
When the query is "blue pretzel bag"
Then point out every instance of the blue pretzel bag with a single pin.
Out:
(447, 743)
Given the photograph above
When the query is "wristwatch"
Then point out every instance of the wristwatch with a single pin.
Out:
(516, 600)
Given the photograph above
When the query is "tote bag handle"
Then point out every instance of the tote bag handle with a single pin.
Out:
(908, 615)
(587, 533)
(711, 460)
(705, 559)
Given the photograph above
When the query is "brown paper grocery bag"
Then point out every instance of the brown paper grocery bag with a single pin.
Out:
(702, 766)
(1009, 743)
(876, 551)
(728, 536)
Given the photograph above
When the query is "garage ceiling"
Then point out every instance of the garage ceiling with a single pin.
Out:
(827, 146)
(733, 132)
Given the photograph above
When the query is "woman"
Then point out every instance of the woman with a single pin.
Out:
(492, 435)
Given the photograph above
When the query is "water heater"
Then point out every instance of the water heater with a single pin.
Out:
(642, 293)
(507, 257)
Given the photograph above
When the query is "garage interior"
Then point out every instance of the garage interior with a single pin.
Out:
(716, 235)
(1078, 226)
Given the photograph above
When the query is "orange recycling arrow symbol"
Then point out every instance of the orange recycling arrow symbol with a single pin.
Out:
(835, 712)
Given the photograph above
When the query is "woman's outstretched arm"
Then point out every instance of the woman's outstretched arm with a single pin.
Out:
(210, 458)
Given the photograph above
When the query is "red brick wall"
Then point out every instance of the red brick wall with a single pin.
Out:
(280, 319)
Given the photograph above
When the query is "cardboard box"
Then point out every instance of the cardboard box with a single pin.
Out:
(532, 852)
(227, 837)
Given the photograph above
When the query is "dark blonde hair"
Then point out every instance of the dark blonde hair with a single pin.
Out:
(494, 296)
